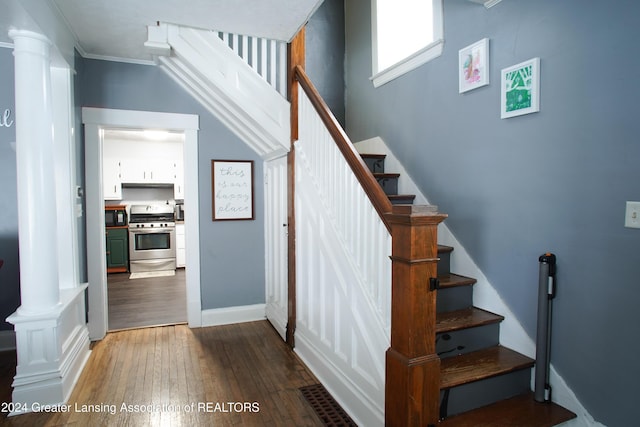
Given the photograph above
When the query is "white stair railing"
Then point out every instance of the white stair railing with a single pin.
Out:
(343, 274)
(267, 57)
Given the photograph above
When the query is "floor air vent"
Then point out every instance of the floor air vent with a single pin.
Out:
(325, 406)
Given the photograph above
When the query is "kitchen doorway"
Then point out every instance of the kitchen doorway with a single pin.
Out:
(96, 121)
(143, 188)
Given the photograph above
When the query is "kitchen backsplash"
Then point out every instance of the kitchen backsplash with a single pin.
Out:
(144, 195)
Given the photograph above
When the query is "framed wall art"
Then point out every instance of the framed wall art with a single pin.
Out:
(232, 189)
(473, 66)
(520, 93)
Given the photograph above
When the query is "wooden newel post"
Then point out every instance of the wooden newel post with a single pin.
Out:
(412, 365)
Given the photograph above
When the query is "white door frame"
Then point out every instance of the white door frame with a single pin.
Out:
(95, 121)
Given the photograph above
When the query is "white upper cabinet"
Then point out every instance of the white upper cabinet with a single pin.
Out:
(130, 161)
(111, 182)
(111, 179)
(148, 171)
(178, 189)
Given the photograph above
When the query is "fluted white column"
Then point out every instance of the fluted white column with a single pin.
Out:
(36, 174)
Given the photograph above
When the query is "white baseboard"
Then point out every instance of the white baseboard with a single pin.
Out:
(230, 315)
(7, 340)
(358, 405)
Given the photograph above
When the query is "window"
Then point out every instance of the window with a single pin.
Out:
(406, 34)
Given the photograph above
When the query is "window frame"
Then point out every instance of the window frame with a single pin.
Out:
(413, 61)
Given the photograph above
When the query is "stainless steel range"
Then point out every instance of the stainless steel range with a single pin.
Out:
(152, 238)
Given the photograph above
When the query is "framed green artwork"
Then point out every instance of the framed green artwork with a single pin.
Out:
(520, 93)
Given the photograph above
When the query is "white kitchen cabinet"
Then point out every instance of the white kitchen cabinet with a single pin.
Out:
(178, 183)
(111, 184)
(181, 258)
(143, 170)
(111, 170)
(130, 161)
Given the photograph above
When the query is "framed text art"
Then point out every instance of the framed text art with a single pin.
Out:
(520, 93)
(232, 189)
(473, 66)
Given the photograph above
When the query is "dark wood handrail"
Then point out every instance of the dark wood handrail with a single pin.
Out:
(371, 187)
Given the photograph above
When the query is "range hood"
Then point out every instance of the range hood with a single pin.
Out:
(146, 185)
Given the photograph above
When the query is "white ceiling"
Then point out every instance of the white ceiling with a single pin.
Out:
(117, 29)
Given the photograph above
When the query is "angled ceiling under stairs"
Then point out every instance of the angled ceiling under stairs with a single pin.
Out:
(239, 79)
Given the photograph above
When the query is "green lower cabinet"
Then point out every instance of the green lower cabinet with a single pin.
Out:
(117, 250)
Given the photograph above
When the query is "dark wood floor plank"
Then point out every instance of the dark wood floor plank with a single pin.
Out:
(178, 366)
(146, 302)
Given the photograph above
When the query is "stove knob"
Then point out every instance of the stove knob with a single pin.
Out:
(151, 225)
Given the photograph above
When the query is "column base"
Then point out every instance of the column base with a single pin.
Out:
(52, 349)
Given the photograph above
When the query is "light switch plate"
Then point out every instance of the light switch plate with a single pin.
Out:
(632, 215)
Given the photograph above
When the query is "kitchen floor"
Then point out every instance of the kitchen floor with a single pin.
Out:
(153, 301)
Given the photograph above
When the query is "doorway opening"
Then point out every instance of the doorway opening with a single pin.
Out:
(97, 122)
(143, 188)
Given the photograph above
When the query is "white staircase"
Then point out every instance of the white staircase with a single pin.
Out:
(343, 247)
(240, 80)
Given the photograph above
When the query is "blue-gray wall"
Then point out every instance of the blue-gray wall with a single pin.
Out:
(324, 47)
(231, 252)
(10, 272)
(555, 181)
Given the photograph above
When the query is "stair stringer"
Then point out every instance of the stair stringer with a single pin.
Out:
(200, 62)
(340, 333)
(485, 296)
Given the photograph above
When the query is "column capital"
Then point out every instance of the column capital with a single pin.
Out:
(25, 41)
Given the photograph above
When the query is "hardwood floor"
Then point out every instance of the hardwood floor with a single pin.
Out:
(235, 375)
(146, 302)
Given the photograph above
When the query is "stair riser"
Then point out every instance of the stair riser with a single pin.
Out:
(444, 263)
(401, 201)
(374, 165)
(389, 185)
(454, 298)
(471, 339)
(481, 393)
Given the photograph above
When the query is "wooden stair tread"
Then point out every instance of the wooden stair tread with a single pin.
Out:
(464, 319)
(442, 249)
(481, 364)
(401, 196)
(373, 156)
(521, 411)
(452, 280)
(381, 175)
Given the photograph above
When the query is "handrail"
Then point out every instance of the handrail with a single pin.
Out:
(374, 191)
